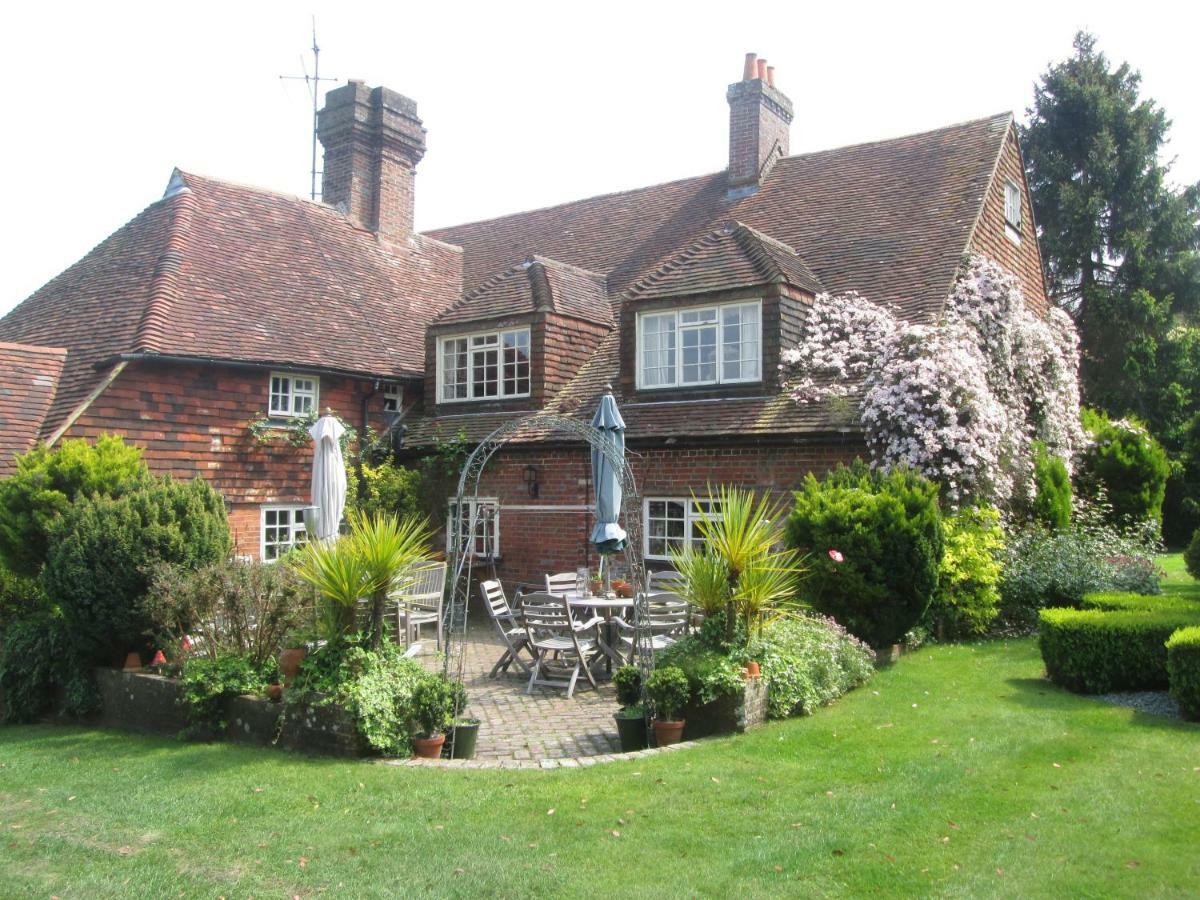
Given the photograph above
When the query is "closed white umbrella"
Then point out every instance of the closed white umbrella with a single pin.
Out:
(328, 477)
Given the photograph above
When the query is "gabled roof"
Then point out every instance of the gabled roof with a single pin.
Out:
(28, 380)
(221, 271)
(730, 256)
(889, 219)
(537, 283)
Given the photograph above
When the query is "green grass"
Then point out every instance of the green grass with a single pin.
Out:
(1176, 579)
(959, 771)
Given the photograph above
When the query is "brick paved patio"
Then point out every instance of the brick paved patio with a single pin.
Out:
(529, 728)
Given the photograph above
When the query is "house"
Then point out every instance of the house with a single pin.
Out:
(222, 303)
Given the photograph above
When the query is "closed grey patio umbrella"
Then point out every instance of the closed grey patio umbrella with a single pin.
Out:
(328, 478)
(608, 536)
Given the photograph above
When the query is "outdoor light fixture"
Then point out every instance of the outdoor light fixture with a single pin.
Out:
(531, 480)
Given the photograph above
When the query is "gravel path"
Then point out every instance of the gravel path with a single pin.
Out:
(1158, 703)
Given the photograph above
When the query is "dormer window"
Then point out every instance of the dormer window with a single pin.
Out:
(492, 365)
(292, 395)
(702, 345)
(1012, 211)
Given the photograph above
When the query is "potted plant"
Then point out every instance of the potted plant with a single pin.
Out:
(464, 730)
(668, 690)
(631, 717)
(464, 734)
(295, 649)
(433, 713)
(622, 589)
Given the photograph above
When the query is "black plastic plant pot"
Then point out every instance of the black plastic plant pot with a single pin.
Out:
(463, 735)
(632, 732)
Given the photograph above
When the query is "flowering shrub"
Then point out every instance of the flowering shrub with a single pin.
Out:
(961, 400)
(1046, 569)
(807, 662)
(840, 343)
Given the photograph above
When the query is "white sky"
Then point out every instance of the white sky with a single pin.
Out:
(526, 104)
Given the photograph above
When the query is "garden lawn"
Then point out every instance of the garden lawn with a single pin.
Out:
(959, 771)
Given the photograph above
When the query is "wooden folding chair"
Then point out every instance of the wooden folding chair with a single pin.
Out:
(559, 643)
(511, 629)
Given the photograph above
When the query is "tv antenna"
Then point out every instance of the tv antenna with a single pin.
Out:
(313, 83)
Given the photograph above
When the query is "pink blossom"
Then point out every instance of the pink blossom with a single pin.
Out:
(836, 556)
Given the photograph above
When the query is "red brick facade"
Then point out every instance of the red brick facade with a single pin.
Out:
(193, 420)
(550, 533)
(989, 238)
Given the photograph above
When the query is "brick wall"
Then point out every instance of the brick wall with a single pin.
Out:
(192, 420)
(373, 140)
(549, 533)
(989, 238)
(759, 118)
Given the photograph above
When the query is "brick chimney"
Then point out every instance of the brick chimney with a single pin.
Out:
(759, 116)
(373, 141)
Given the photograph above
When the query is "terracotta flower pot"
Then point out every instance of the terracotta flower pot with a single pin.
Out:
(753, 670)
(428, 747)
(133, 661)
(289, 662)
(275, 692)
(666, 732)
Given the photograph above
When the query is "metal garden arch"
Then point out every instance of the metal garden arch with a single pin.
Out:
(461, 562)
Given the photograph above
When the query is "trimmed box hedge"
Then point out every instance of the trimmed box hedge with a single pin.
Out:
(1094, 651)
(1124, 600)
(1183, 666)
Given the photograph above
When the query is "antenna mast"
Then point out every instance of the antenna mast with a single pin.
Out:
(313, 84)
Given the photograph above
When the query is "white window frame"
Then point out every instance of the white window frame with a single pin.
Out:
(290, 379)
(1013, 218)
(393, 397)
(499, 335)
(691, 516)
(297, 532)
(680, 327)
(473, 504)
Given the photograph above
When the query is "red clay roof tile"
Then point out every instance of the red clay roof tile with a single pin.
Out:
(29, 378)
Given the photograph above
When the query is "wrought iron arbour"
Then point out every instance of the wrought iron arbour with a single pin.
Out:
(461, 561)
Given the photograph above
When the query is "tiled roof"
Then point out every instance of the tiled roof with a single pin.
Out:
(28, 380)
(221, 271)
(889, 219)
(536, 283)
(730, 256)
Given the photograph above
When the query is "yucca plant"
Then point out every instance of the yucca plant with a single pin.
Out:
(744, 532)
(365, 563)
(389, 548)
(705, 578)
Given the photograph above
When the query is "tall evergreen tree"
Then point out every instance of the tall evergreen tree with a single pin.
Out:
(1121, 244)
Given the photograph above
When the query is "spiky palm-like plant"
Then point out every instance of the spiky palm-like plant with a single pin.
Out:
(744, 531)
(366, 563)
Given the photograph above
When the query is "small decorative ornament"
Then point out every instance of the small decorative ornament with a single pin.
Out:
(160, 659)
(186, 645)
(836, 556)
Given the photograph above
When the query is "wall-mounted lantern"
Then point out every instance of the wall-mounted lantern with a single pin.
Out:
(531, 480)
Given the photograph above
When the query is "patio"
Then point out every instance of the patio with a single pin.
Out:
(526, 728)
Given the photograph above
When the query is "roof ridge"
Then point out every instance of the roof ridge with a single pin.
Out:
(164, 284)
(256, 188)
(604, 196)
(755, 248)
(558, 263)
(1007, 115)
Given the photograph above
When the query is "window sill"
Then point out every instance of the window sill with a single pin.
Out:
(1012, 234)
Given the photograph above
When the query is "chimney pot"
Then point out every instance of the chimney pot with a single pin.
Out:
(749, 71)
(759, 116)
